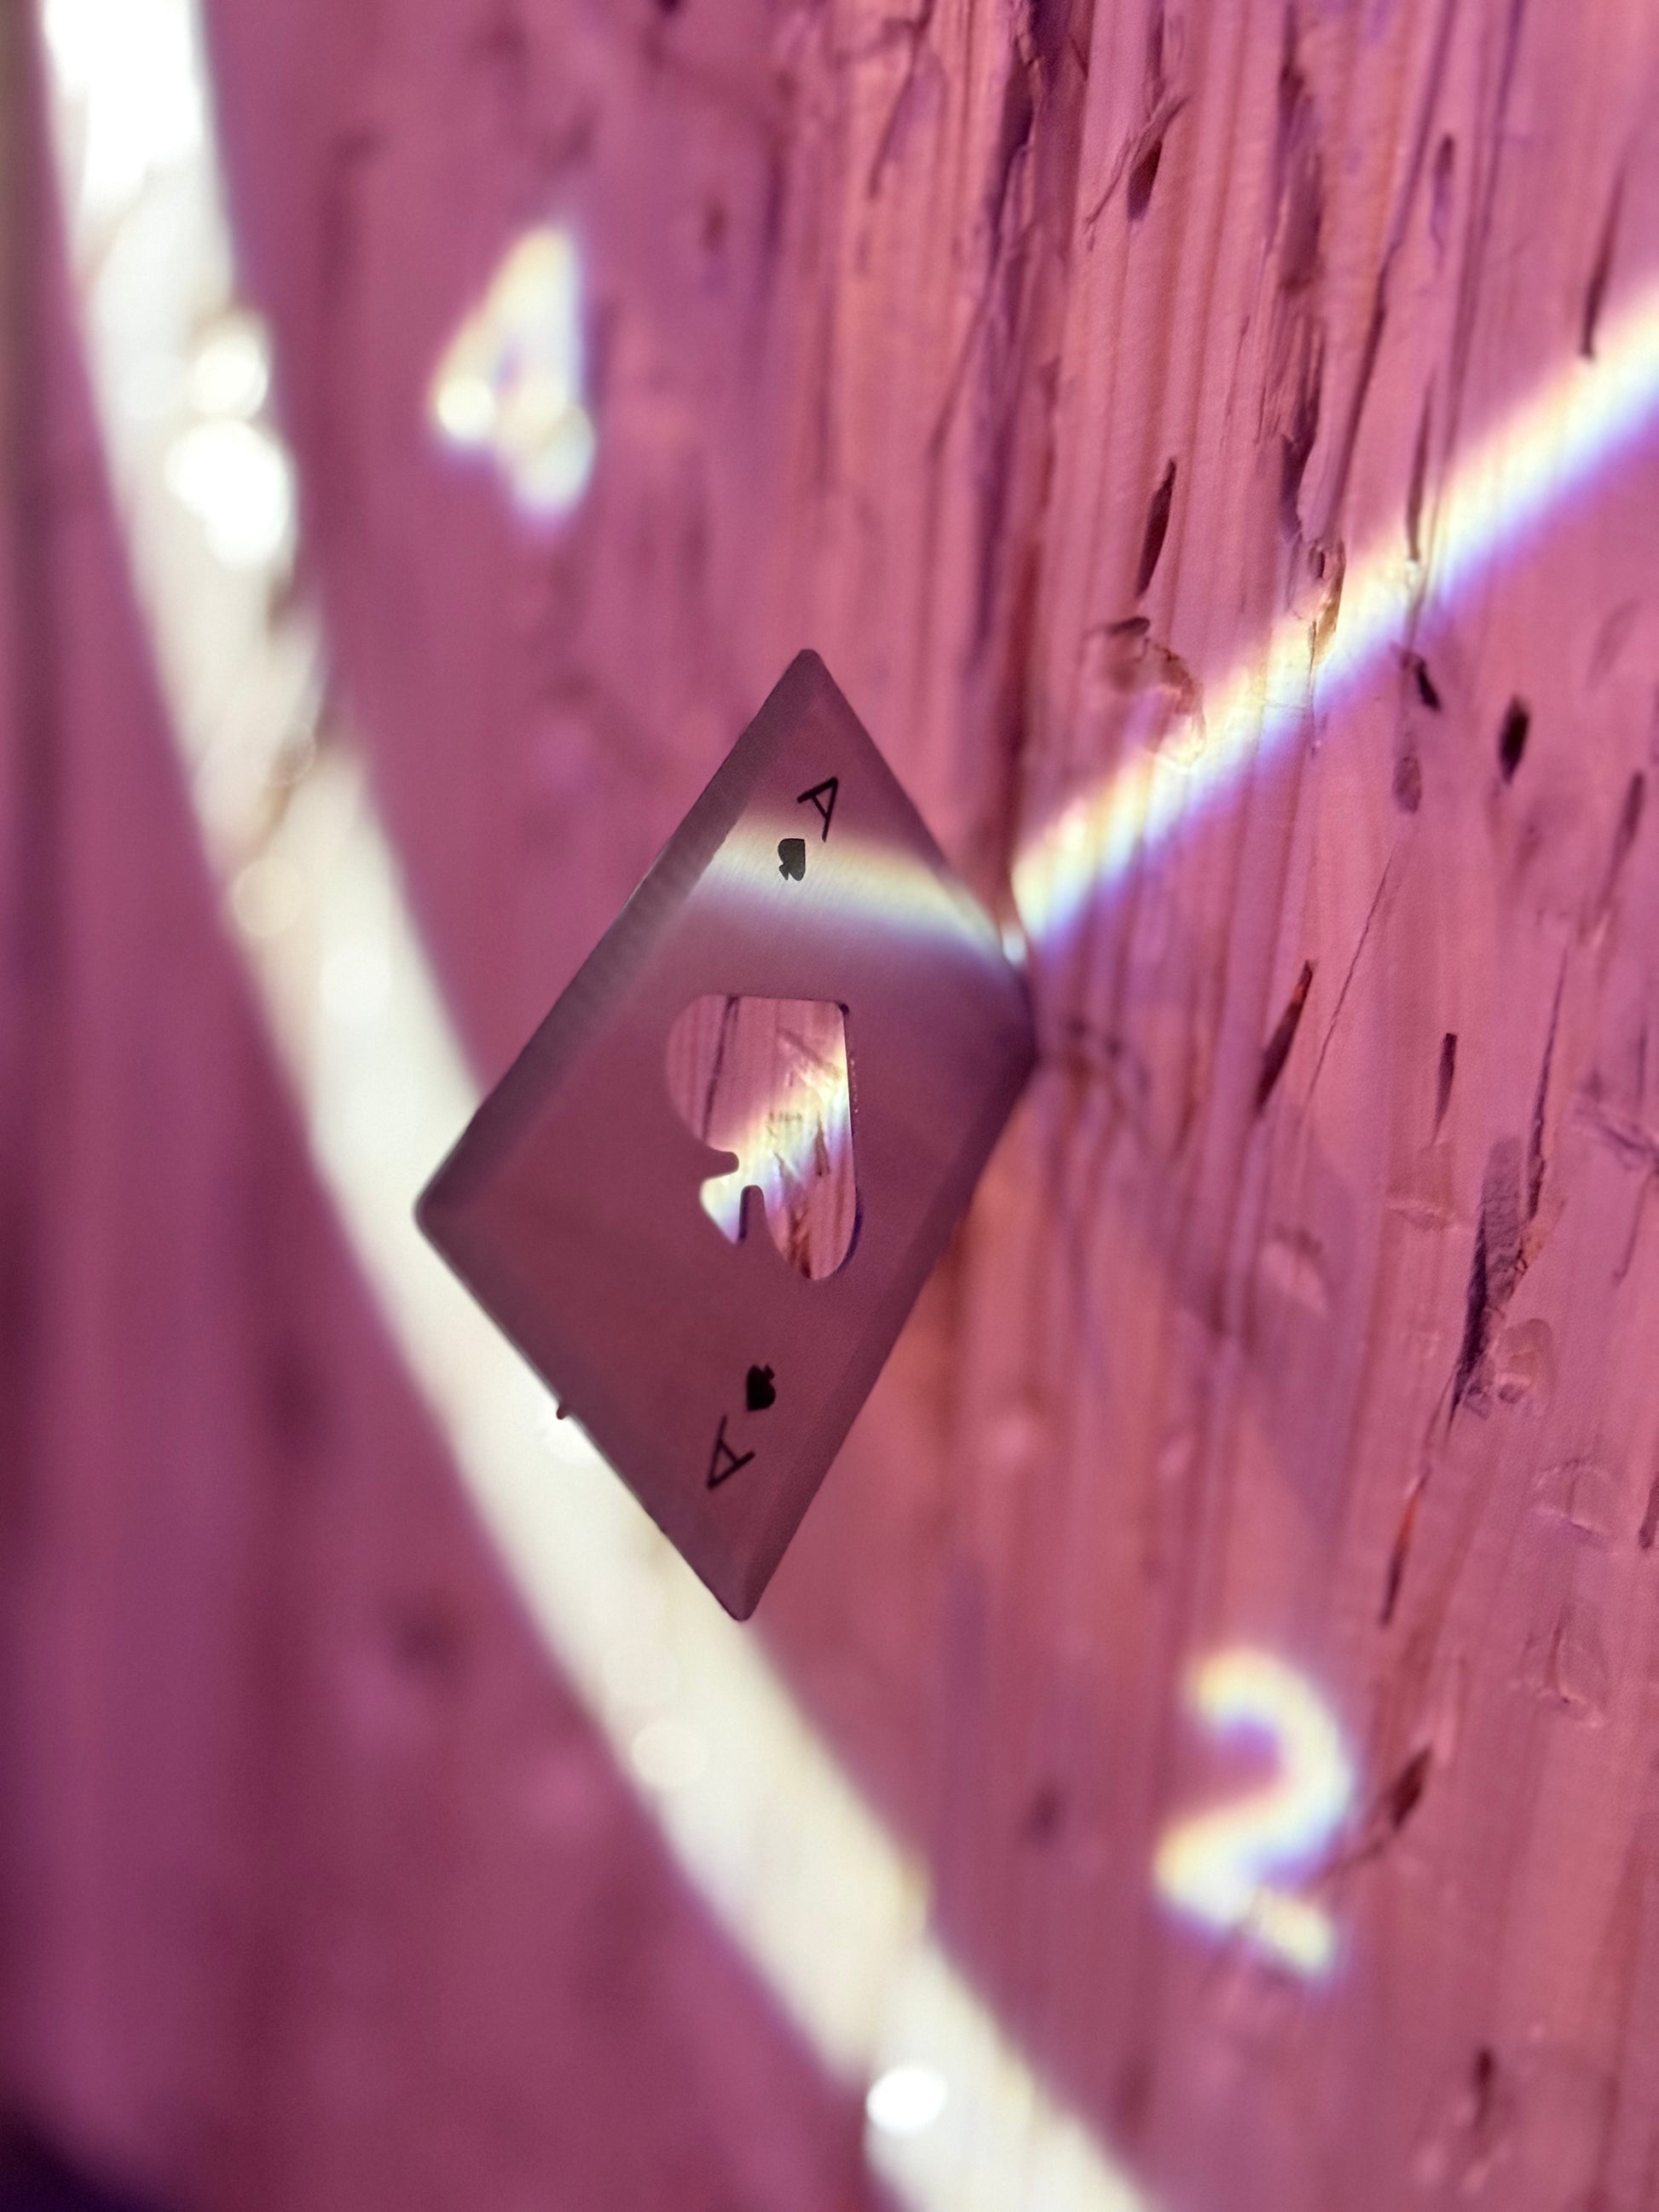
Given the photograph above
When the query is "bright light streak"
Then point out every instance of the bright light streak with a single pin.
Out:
(871, 880)
(1528, 465)
(1218, 1867)
(758, 1812)
(267, 896)
(906, 2101)
(127, 68)
(830, 1910)
(510, 381)
(231, 373)
(239, 483)
(668, 1755)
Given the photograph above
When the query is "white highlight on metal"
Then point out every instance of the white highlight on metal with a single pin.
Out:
(510, 381)
(1529, 465)
(828, 1907)
(1223, 1867)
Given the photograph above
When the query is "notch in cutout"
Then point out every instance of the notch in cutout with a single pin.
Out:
(767, 1079)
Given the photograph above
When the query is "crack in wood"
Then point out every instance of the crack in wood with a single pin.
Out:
(1278, 1048)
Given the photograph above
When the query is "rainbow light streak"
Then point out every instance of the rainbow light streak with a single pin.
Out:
(891, 891)
(1216, 1866)
(1523, 469)
(510, 381)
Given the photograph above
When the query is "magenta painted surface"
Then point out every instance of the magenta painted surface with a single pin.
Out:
(991, 1602)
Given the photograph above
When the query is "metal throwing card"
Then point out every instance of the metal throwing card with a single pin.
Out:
(705, 1196)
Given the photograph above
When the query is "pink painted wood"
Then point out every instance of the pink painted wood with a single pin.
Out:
(1309, 1306)
(319, 1890)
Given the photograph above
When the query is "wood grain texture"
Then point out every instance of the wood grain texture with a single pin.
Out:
(960, 345)
(1032, 363)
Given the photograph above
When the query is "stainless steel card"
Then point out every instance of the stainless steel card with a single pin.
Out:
(705, 1196)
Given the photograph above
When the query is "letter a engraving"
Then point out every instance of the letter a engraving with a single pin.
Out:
(723, 1451)
(825, 804)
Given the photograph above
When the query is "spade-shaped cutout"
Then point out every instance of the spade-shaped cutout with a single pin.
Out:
(767, 1079)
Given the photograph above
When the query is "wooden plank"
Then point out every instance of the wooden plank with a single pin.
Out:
(318, 1887)
(1039, 365)
(1319, 1327)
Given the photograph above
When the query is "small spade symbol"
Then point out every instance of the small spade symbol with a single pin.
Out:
(759, 1390)
(792, 858)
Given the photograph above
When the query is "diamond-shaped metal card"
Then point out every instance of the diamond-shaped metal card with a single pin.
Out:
(705, 1196)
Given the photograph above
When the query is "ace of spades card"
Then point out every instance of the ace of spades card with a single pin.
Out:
(704, 1198)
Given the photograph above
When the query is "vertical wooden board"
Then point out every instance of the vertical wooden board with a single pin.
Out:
(1254, 1315)
(319, 1888)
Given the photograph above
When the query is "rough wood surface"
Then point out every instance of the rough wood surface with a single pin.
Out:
(1032, 363)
